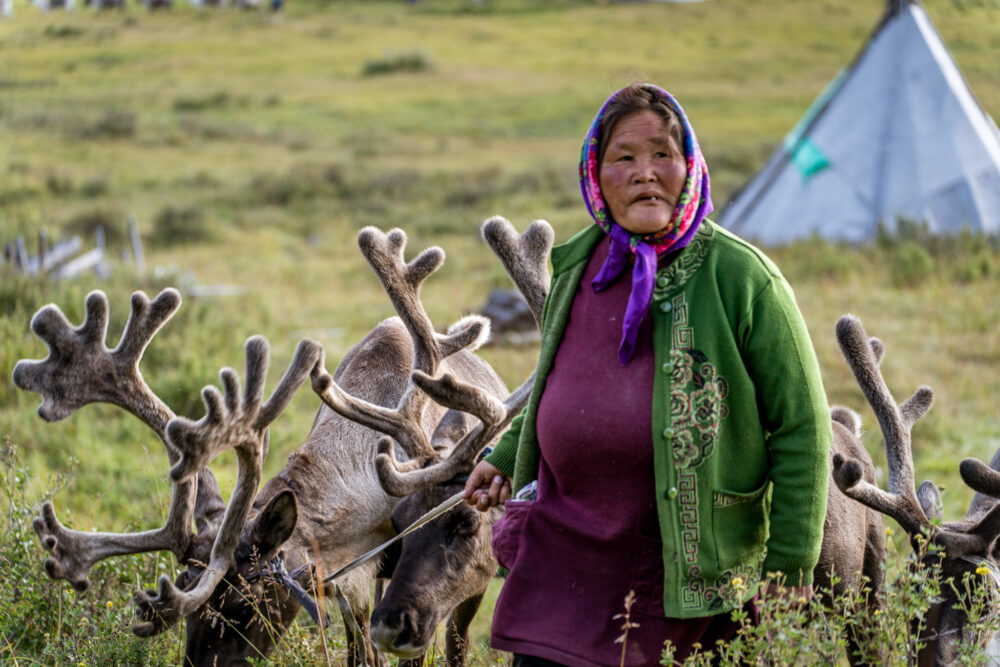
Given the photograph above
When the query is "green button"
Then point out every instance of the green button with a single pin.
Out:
(668, 432)
(668, 368)
(665, 307)
(662, 281)
(671, 493)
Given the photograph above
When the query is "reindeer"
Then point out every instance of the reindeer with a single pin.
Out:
(964, 545)
(852, 554)
(323, 509)
(444, 568)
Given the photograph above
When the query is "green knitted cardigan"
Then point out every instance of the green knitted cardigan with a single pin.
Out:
(741, 426)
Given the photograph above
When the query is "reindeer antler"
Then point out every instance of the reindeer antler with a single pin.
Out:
(494, 417)
(230, 420)
(981, 478)
(402, 282)
(525, 259)
(524, 256)
(896, 421)
(240, 423)
(79, 370)
(984, 510)
(978, 532)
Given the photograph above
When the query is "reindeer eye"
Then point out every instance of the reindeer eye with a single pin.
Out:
(467, 526)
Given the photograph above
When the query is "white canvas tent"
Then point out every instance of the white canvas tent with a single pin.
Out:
(898, 134)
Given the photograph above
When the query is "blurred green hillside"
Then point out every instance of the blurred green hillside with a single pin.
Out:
(251, 147)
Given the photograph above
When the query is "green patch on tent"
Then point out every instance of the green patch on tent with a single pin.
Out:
(809, 159)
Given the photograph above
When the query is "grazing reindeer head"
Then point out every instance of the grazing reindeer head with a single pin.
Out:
(445, 566)
(80, 369)
(443, 569)
(245, 615)
(965, 544)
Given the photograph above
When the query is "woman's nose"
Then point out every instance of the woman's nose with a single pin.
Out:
(644, 172)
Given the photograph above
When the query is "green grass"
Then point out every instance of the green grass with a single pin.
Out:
(251, 148)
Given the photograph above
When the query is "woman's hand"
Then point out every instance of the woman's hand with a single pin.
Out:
(487, 487)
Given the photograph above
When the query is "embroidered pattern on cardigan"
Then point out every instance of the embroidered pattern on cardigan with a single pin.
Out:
(687, 498)
(684, 265)
(697, 402)
(723, 592)
(697, 407)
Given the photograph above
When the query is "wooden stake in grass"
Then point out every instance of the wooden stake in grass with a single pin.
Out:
(627, 624)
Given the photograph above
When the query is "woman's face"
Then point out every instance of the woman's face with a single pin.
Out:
(642, 173)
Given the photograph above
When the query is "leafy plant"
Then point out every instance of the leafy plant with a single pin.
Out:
(797, 632)
(37, 617)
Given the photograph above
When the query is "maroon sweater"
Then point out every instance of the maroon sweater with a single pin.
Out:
(592, 535)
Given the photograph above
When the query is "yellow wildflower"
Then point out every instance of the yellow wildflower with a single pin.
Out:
(108, 604)
(982, 570)
(738, 583)
(889, 531)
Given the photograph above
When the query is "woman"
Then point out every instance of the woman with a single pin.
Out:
(677, 431)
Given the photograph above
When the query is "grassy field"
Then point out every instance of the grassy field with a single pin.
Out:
(251, 147)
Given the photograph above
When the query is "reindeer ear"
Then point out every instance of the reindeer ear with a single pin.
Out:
(450, 429)
(930, 500)
(848, 418)
(272, 527)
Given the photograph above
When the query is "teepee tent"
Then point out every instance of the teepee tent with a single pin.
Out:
(898, 134)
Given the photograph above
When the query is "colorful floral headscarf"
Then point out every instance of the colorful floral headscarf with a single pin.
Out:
(694, 204)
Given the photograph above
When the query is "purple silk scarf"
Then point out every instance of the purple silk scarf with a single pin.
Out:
(693, 205)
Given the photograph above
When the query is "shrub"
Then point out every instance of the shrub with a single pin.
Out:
(200, 180)
(175, 225)
(817, 259)
(282, 190)
(977, 266)
(58, 183)
(37, 619)
(94, 188)
(16, 194)
(216, 100)
(115, 124)
(909, 264)
(791, 632)
(87, 222)
(62, 31)
(391, 63)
